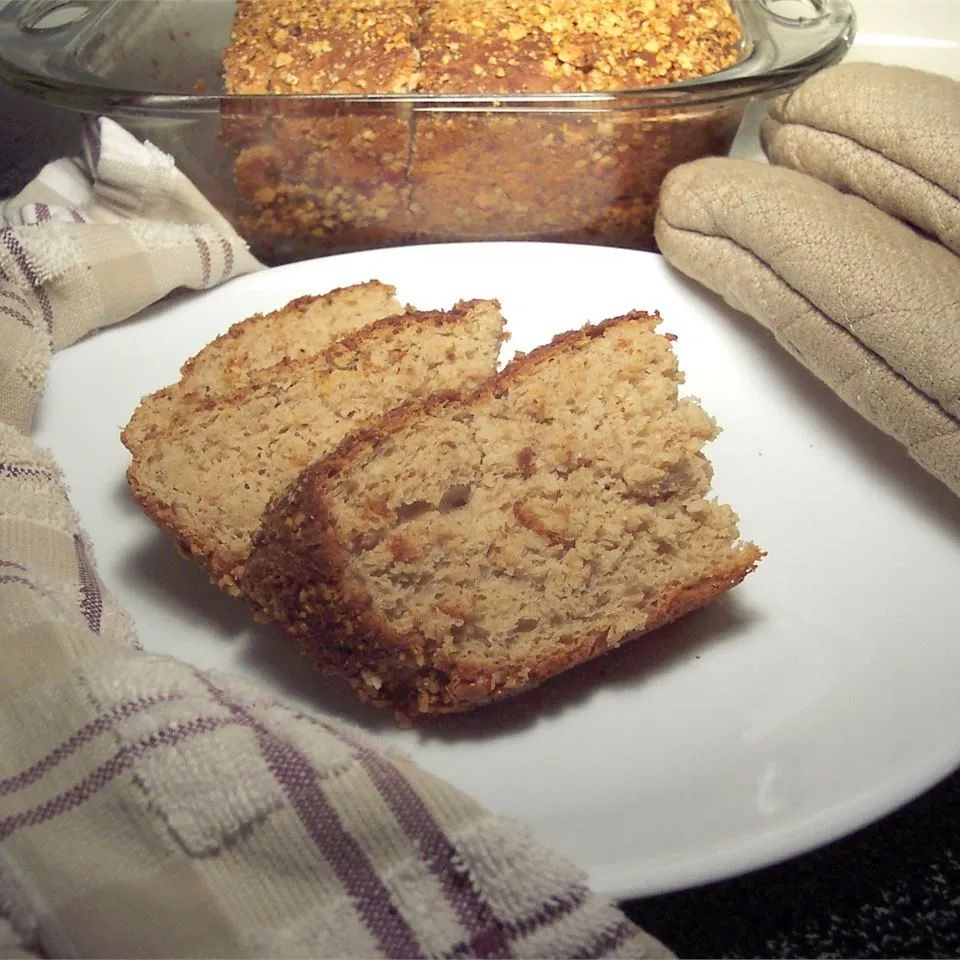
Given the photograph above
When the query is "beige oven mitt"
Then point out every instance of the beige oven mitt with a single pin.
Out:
(867, 303)
(889, 134)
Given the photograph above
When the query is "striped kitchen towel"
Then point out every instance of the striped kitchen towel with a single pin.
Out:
(92, 241)
(148, 808)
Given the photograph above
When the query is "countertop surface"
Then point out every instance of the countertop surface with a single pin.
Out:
(890, 890)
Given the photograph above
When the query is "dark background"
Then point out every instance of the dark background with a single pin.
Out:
(889, 890)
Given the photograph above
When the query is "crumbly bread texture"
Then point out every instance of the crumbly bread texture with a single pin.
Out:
(249, 349)
(461, 551)
(206, 483)
(313, 177)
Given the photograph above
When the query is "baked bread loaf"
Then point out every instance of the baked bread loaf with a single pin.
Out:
(316, 176)
(464, 550)
(303, 327)
(206, 480)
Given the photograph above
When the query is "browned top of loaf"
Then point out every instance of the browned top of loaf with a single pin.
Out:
(569, 46)
(498, 46)
(334, 46)
(251, 350)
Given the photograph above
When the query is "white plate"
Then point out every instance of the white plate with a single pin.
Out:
(817, 696)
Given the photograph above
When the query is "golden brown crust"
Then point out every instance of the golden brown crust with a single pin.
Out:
(338, 46)
(461, 687)
(248, 327)
(565, 46)
(253, 326)
(336, 625)
(138, 430)
(299, 576)
(499, 46)
(224, 367)
(224, 567)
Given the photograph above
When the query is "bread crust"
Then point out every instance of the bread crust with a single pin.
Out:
(226, 352)
(224, 567)
(298, 575)
(252, 326)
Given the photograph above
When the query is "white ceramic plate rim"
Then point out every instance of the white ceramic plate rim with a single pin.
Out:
(515, 272)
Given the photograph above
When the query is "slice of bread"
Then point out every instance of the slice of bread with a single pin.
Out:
(304, 327)
(461, 551)
(207, 482)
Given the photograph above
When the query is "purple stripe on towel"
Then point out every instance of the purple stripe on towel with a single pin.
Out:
(91, 599)
(205, 260)
(228, 262)
(372, 899)
(304, 790)
(13, 295)
(19, 472)
(16, 314)
(9, 239)
(73, 743)
(94, 782)
(485, 933)
(16, 578)
(549, 912)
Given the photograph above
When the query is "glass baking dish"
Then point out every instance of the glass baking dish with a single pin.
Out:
(306, 175)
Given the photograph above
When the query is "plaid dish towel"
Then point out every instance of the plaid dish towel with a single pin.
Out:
(148, 808)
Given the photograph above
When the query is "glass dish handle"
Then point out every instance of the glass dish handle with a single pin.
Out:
(796, 13)
(791, 38)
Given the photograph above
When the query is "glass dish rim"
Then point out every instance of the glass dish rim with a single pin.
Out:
(739, 82)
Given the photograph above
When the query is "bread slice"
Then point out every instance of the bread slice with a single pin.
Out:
(207, 483)
(302, 328)
(461, 551)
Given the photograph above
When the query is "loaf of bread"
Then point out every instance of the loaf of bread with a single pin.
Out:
(322, 175)
(205, 477)
(304, 327)
(463, 550)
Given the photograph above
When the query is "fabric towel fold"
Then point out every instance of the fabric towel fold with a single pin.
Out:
(148, 808)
